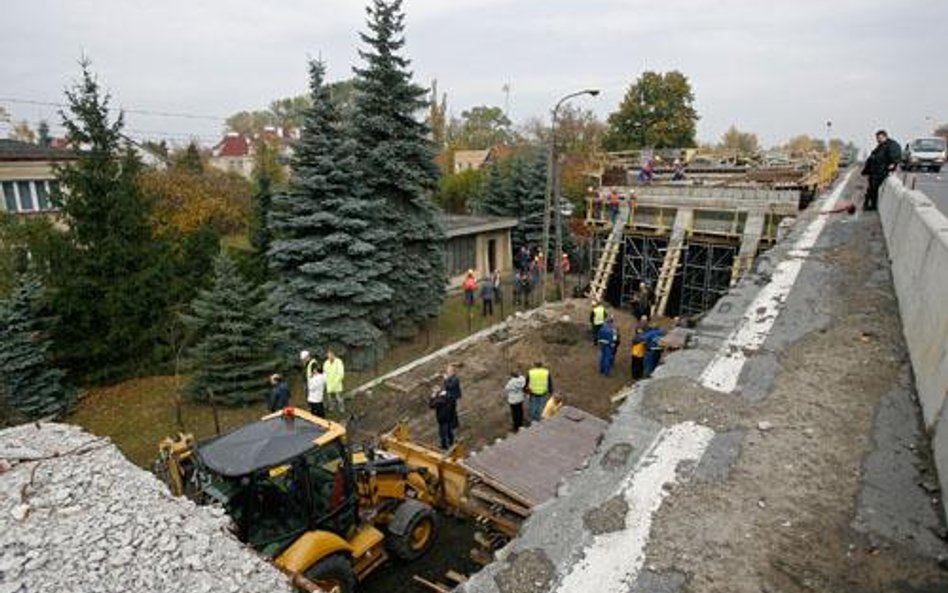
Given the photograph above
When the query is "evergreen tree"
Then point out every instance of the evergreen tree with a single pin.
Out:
(528, 192)
(326, 259)
(260, 234)
(497, 199)
(397, 158)
(30, 386)
(111, 292)
(234, 349)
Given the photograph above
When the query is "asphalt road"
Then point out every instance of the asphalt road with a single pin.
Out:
(933, 185)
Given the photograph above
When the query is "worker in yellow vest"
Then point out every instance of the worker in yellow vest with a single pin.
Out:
(597, 317)
(540, 386)
(335, 372)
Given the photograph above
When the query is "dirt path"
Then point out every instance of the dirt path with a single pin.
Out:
(558, 336)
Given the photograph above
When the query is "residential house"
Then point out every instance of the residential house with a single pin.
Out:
(466, 160)
(236, 152)
(27, 179)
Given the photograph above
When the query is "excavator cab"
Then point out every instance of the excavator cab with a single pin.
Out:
(297, 494)
(279, 478)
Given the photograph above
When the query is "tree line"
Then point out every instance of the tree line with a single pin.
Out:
(348, 252)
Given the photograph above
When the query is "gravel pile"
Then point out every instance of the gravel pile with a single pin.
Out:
(75, 515)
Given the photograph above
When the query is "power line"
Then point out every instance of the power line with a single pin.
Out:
(148, 112)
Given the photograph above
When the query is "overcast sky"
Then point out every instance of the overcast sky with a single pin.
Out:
(774, 68)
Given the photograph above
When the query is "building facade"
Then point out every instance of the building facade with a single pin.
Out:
(27, 177)
(478, 243)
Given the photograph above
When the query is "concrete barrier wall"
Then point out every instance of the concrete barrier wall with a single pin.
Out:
(916, 234)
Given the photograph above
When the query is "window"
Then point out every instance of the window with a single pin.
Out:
(42, 196)
(460, 254)
(26, 195)
(9, 197)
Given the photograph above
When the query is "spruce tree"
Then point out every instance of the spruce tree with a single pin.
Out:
(31, 387)
(397, 158)
(111, 290)
(325, 258)
(234, 350)
(528, 192)
(497, 199)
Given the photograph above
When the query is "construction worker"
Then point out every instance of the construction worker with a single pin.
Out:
(613, 206)
(653, 354)
(596, 318)
(639, 350)
(335, 372)
(608, 340)
(540, 386)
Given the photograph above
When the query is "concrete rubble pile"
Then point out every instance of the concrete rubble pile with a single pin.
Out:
(75, 515)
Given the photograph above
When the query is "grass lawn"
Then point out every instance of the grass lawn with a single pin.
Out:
(138, 413)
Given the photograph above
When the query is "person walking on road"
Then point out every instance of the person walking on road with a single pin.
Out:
(608, 339)
(487, 297)
(540, 386)
(597, 317)
(279, 397)
(315, 391)
(335, 372)
(882, 161)
(513, 390)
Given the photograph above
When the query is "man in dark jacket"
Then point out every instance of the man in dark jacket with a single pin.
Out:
(882, 161)
(279, 394)
(444, 402)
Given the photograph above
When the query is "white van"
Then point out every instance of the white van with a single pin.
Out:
(924, 153)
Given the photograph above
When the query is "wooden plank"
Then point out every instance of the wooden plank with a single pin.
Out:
(436, 587)
(499, 499)
(455, 577)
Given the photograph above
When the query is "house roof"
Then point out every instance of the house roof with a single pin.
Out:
(15, 150)
(457, 225)
(233, 145)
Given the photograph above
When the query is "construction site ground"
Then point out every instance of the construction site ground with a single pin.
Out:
(558, 335)
(812, 475)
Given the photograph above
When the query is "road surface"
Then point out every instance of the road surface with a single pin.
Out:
(933, 185)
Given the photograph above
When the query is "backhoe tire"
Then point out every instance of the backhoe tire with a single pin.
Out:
(334, 570)
(419, 532)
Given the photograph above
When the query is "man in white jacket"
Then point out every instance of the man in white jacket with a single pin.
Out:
(315, 390)
(514, 392)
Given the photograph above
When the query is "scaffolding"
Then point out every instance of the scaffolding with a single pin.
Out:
(641, 262)
(706, 275)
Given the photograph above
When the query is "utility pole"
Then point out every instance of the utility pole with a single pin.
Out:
(553, 199)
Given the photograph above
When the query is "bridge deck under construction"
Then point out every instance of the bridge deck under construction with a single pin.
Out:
(688, 243)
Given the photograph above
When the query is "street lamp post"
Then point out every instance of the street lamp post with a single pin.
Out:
(553, 197)
(829, 126)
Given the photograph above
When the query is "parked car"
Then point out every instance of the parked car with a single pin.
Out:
(924, 153)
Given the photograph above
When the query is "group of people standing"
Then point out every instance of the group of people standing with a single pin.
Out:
(490, 291)
(534, 389)
(646, 349)
(324, 382)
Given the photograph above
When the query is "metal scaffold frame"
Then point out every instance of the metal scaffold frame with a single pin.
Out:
(641, 260)
(706, 275)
